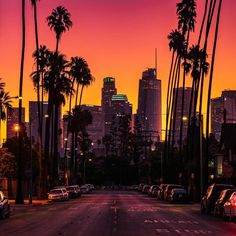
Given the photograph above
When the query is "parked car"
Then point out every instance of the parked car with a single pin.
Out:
(212, 194)
(230, 207)
(84, 189)
(58, 194)
(145, 189)
(4, 206)
(151, 190)
(160, 194)
(140, 187)
(179, 195)
(73, 190)
(155, 192)
(168, 190)
(224, 197)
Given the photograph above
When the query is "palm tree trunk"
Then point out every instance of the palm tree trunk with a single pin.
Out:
(46, 161)
(169, 89)
(77, 95)
(175, 101)
(183, 94)
(171, 104)
(19, 192)
(40, 141)
(81, 95)
(67, 135)
(55, 152)
(209, 91)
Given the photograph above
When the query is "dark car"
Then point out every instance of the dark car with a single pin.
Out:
(74, 191)
(145, 189)
(179, 195)
(140, 187)
(168, 190)
(151, 190)
(212, 194)
(161, 191)
(223, 198)
(4, 206)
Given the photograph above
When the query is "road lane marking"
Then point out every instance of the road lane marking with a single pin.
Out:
(181, 231)
(166, 221)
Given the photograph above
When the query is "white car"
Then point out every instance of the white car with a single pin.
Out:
(84, 189)
(58, 194)
(229, 209)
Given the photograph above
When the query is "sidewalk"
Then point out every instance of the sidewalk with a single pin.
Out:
(26, 203)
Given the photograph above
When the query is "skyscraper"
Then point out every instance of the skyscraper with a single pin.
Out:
(149, 102)
(12, 120)
(226, 102)
(95, 130)
(120, 105)
(108, 90)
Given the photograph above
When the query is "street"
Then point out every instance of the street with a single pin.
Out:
(118, 213)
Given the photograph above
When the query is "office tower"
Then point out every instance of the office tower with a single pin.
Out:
(108, 90)
(226, 102)
(120, 105)
(33, 120)
(12, 121)
(149, 102)
(187, 99)
(95, 130)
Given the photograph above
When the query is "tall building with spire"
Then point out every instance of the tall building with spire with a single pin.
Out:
(108, 90)
(149, 102)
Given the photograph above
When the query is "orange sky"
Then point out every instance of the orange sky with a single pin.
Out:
(117, 38)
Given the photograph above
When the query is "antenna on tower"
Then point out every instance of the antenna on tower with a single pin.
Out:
(156, 61)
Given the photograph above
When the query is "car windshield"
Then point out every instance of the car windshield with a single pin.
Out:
(56, 191)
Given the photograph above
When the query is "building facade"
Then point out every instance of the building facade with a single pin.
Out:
(220, 105)
(108, 90)
(33, 120)
(149, 102)
(95, 130)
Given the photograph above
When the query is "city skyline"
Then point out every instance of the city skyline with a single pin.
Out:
(109, 60)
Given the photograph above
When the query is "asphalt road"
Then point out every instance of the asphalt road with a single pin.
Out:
(104, 213)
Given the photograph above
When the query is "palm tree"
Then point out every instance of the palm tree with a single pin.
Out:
(175, 38)
(59, 21)
(78, 69)
(186, 11)
(58, 85)
(209, 90)
(40, 151)
(5, 106)
(19, 191)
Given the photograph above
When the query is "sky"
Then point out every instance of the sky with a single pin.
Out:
(117, 38)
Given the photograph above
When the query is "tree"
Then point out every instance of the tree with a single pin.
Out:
(8, 164)
(40, 112)
(19, 192)
(5, 105)
(186, 11)
(59, 21)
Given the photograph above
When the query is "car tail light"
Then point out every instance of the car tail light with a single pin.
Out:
(233, 204)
